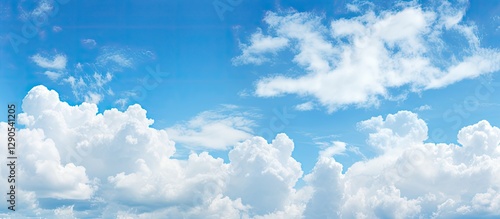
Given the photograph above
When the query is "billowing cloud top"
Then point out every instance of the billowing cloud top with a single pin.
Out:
(116, 162)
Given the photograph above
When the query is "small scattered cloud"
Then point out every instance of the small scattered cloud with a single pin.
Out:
(118, 58)
(92, 97)
(88, 43)
(307, 106)
(91, 89)
(43, 8)
(57, 62)
(56, 29)
(52, 75)
(260, 45)
(122, 102)
(423, 108)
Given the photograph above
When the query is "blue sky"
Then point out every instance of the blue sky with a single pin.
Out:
(355, 84)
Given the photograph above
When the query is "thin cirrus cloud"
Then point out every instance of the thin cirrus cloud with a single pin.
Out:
(406, 178)
(119, 58)
(355, 61)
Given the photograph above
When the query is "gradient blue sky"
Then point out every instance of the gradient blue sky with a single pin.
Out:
(207, 83)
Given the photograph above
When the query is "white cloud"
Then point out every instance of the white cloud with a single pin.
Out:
(336, 147)
(57, 62)
(255, 165)
(56, 29)
(217, 129)
(90, 89)
(139, 168)
(43, 8)
(116, 59)
(92, 97)
(355, 61)
(52, 75)
(423, 108)
(101, 80)
(120, 60)
(396, 130)
(65, 212)
(259, 46)
(66, 147)
(89, 43)
(305, 106)
(44, 172)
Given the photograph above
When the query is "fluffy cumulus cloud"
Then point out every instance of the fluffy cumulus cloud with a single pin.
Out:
(359, 60)
(116, 162)
(114, 157)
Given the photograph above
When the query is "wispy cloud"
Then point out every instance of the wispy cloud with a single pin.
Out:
(57, 62)
(217, 129)
(56, 29)
(259, 46)
(52, 75)
(423, 108)
(89, 43)
(43, 8)
(119, 58)
(307, 106)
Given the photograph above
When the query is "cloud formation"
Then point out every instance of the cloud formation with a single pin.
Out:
(58, 62)
(360, 60)
(66, 147)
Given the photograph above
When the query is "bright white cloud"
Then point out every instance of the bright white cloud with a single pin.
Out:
(66, 147)
(217, 129)
(395, 131)
(58, 62)
(412, 179)
(255, 165)
(355, 61)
